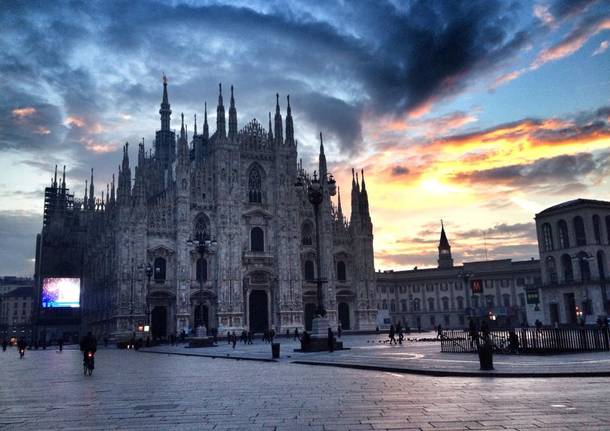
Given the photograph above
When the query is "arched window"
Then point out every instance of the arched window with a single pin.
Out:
(601, 264)
(445, 303)
(566, 267)
(384, 304)
(159, 269)
(202, 269)
(460, 303)
(341, 270)
(393, 306)
(506, 300)
(583, 265)
(564, 240)
(597, 229)
(430, 304)
(255, 186)
(307, 234)
(547, 237)
(416, 304)
(403, 305)
(551, 269)
(309, 271)
(579, 230)
(201, 226)
(257, 239)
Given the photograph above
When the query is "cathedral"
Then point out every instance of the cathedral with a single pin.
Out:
(135, 252)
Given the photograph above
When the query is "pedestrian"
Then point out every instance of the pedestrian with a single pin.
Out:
(339, 330)
(4, 344)
(296, 334)
(234, 339)
(229, 340)
(250, 337)
(287, 333)
(331, 341)
(391, 334)
(401, 336)
(271, 335)
(60, 343)
(473, 332)
(439, 332)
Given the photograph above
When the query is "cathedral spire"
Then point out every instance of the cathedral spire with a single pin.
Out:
(322, 160)
(91, 192)
(182, 132)
(112, 199)
(339, 208)
(232, 118)
(195, 127)
(165, 110)
(63, 180)
(364, 200)
(220, 115)
(206, 131)
(444, 250)
(86, 198)
(270, 135)
(279, 134)
(289, 125)
(355, 212)
(55, 180)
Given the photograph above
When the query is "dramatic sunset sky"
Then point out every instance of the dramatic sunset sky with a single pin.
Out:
(480, 113)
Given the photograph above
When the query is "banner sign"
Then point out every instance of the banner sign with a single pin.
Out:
(476, 286)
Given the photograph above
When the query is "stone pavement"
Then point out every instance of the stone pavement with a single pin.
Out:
(370, 352)
(133, 390)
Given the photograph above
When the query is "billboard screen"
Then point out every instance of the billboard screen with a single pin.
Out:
(61, 292)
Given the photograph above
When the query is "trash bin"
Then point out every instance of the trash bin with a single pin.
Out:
(486, 357)
(275, 350)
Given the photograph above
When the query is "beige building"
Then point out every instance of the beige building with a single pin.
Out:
(451, 295)
(574, 244)
(16, 312)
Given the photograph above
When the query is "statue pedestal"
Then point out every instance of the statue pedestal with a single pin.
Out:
(317, 341)
(201, 339)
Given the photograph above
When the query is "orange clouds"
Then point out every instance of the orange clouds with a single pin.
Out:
(75, 121)
(21, 113)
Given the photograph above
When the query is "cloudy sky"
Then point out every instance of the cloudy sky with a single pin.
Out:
(480, 113)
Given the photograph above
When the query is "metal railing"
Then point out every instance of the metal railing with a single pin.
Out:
(529, 340)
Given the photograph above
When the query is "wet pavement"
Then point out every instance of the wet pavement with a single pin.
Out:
(134, 390)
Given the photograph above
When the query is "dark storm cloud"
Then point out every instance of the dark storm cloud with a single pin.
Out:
(399, 170)
(561, 169)
(374, 56)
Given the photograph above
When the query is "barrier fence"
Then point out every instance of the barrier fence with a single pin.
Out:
(529, 340)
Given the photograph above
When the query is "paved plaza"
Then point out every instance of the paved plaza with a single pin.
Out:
(375, 353)
(135, 390)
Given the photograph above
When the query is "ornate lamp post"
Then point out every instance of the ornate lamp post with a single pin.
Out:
(149, 273)
(316, 190)
(204, 245)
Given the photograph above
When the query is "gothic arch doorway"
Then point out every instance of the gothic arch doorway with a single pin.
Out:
(310, 312)
(159, 322)
(258, 311)
(344, 315)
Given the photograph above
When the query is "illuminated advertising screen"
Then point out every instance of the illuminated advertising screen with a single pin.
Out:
(61, 292)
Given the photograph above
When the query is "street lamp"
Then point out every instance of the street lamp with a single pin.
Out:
(316, 188)
(203, 244)
(149, 272)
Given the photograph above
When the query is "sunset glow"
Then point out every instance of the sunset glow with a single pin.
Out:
(481, 134)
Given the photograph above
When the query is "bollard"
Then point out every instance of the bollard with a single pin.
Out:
(275, 350)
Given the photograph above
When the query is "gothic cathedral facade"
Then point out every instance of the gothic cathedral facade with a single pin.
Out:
(237, 187)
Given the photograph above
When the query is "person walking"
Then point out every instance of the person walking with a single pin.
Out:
(391, 335)
(234, 339)
(331, 341)
(60, 344)
(401, 336)
(296, 334)
(339, 331)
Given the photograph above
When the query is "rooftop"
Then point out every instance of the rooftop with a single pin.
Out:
(575, 203)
